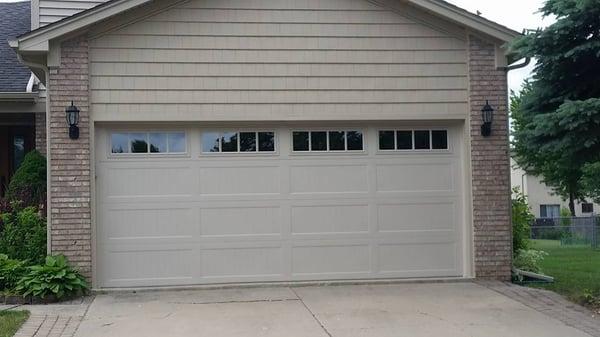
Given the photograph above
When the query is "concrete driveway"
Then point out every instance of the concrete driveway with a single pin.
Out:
(444, 309)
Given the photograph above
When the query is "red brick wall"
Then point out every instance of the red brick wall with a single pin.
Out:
(70, 189)
(490, 165)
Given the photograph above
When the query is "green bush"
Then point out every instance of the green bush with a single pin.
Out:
(28, 185)
(591, 298)
(521, 221)
(550, 234)
(23, 235)
(11, 272)
(54, 278)
(529, 260)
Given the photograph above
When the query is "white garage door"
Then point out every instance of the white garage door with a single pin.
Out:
(197, 205)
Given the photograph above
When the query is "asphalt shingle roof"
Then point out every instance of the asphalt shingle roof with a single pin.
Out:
(15, 19)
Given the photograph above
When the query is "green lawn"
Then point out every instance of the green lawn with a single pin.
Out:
(11, 321)
(575, 269)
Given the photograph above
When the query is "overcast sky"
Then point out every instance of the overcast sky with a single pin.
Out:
(516, 14)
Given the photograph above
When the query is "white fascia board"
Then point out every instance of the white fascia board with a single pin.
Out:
(465, 18)
(37, 40)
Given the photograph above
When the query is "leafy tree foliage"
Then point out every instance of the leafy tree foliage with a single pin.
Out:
(591, 180)
(557, 115)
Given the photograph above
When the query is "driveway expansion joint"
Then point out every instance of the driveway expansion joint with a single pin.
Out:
(312, 313)
(235, 302)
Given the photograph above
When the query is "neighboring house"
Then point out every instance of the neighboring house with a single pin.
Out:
(276, 140)
(542, 201)
(22, 110)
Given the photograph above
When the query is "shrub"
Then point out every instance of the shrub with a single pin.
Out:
(591, 298)
(53, 278)
(550, 234)
(28, 185)
(565, 217)
(529, 260)
(521, 221)
(10, 272)
(23, 236)
(5, 207)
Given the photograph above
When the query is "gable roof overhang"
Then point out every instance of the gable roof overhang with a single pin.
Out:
(463, 17)
(39, 40)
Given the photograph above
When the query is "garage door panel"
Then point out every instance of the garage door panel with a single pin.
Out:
(149, 181)
(239, 180)
(430, 177)
(331, 260)
(330, 219)
(440, 258)
(242, 262)
(416, 216)
(154, 266)
(329, 179)
(148, 223)
(247, 221)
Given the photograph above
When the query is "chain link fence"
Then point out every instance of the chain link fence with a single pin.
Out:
(568, 230)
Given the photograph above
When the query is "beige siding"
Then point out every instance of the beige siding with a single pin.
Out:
(54, 10)
(278, 60)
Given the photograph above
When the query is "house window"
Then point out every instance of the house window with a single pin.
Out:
(549, 211)
(327, 141)
(408, 140)
(238, 142)
(587, 207)
(18, 151)
(148, 142)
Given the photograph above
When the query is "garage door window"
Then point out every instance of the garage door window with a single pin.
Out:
(327, 141)
(148, 143)
(411, 140)
(238, 142)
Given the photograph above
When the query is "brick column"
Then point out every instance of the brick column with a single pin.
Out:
(70, 190)
(40, 132)
(490, 165)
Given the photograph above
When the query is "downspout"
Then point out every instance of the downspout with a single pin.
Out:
(506, 70)
(517, 66)
(44, 68)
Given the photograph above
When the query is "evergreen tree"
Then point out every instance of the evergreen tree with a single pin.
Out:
(557, 114)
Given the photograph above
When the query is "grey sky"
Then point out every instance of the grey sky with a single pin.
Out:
(516, 14)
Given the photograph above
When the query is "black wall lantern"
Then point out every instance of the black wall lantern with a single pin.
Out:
(487, 114)
(73, 119)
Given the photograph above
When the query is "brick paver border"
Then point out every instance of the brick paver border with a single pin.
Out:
(50, 326)
(551, 304)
